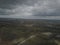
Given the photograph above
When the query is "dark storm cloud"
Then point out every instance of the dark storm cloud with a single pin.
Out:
(5, 6)
(8, 4)
(48, 8)
(30, 7)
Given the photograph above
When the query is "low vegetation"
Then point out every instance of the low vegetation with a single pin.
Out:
(27, 33)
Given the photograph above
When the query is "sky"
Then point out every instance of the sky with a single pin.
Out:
(30, 9)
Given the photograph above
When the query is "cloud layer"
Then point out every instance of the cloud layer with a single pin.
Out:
(24, 8)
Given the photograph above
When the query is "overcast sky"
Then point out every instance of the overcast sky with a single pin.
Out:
(45, 9)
